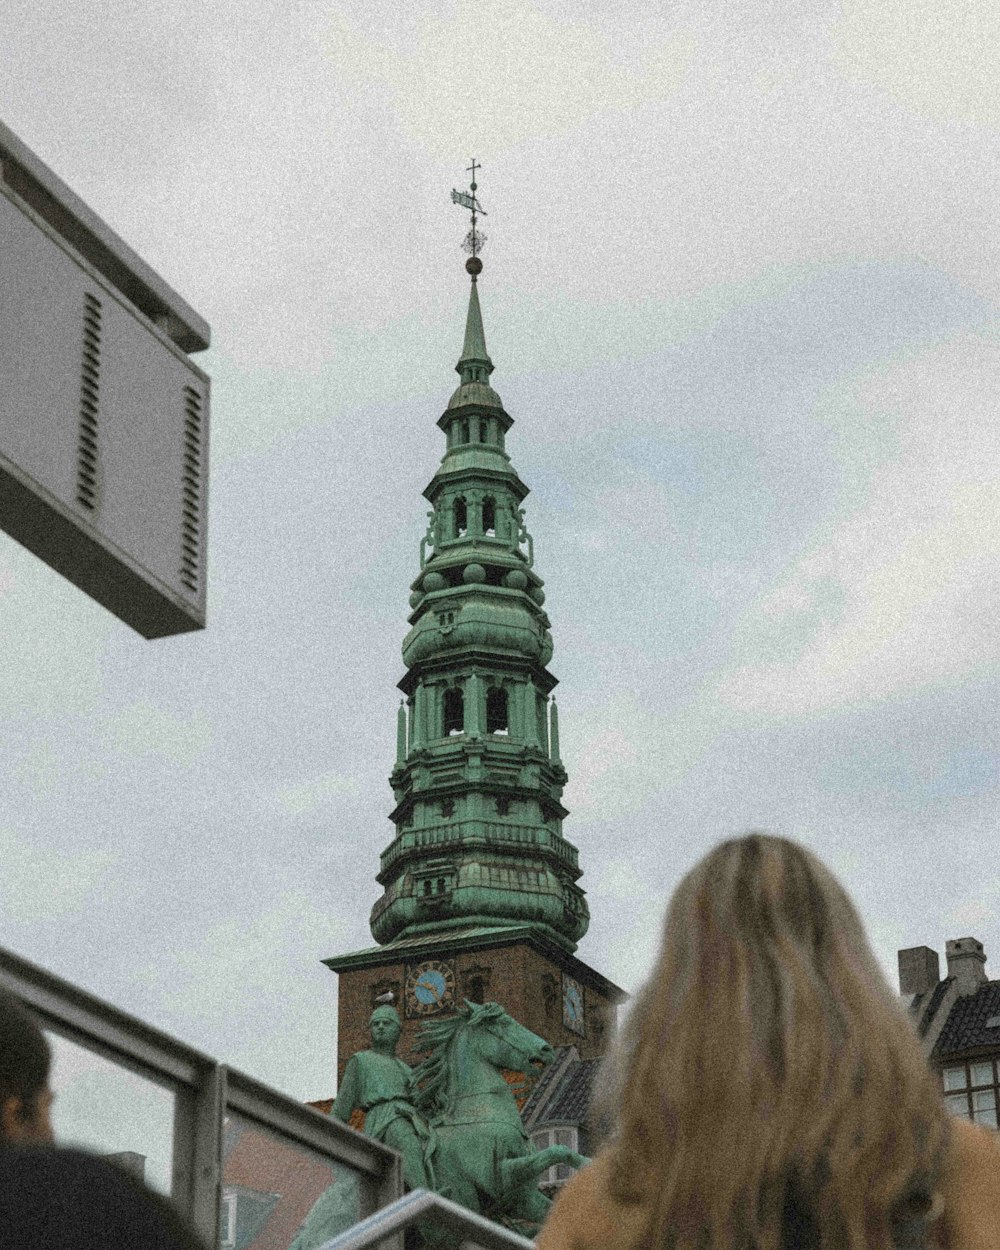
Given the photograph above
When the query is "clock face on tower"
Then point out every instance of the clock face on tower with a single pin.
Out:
(430, 987)
(572, 997)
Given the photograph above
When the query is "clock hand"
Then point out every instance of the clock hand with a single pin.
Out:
(429, 985)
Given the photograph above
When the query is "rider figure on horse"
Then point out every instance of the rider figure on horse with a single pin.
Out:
(379, 1084)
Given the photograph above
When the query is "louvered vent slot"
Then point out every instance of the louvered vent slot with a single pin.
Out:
(90, 384)
(191, 522)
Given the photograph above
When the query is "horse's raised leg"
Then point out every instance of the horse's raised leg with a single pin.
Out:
(528, 1167)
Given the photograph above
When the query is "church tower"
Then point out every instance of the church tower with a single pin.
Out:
(480, 895)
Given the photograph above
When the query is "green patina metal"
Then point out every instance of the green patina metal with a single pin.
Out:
(478, 780)
(453, 1118)
(379, 1084)
(481, 1155)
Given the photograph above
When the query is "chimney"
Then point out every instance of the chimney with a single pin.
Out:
(966, 963)
(919, 969)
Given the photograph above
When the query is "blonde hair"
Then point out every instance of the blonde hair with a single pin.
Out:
(767, 1062)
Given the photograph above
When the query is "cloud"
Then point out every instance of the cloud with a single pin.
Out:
(545, 74)
(978, 915)
(903, 592)
(40, 884)
(146, 729)
(936, 57)
(316, 793)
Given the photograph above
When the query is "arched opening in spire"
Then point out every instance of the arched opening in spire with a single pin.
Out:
(496, 710)
(489, 516)
(454, 712)
(461, 516)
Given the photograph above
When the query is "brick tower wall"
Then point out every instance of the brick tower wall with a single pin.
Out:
(527, 984)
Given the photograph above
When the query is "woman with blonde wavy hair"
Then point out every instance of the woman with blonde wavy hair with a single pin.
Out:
(768, 1091)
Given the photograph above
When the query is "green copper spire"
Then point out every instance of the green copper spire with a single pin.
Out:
(475, 365)
(478, 781)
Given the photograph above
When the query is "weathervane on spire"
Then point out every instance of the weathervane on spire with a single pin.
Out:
(474, 240)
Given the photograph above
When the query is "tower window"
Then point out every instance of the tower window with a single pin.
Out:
(454, 712)
(496, 710)
(461, 517)
(461, 431)
(503, 805)
(489, 515)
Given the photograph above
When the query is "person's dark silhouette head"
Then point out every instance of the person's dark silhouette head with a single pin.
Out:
(25, 1062)
(64, 1198)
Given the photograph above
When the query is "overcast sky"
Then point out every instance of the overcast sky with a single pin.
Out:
(740, 289)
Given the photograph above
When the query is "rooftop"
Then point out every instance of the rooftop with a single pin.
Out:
(966, 1027)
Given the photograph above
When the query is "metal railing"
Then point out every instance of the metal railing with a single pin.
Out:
(427, 1208)
(205, 1093)
(466, 832)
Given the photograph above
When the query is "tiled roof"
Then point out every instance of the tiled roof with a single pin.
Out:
(544, 1084)
(923, 1006)
(570, 1102)
(966, 1027)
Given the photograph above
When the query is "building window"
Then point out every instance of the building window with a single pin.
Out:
(555, 1137)
(489, 516)
(971, 1091)
(496, 710)
(454, 712)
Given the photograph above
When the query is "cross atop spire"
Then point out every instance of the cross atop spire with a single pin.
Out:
(474, 240)
(475, 364)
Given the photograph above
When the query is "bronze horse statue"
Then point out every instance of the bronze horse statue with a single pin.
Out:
(478, 1151)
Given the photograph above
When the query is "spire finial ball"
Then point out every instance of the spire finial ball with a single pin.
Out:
(474, 265)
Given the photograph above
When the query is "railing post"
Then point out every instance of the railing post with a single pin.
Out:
(197, 1151)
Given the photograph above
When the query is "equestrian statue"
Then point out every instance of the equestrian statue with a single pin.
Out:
(453, 1118)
